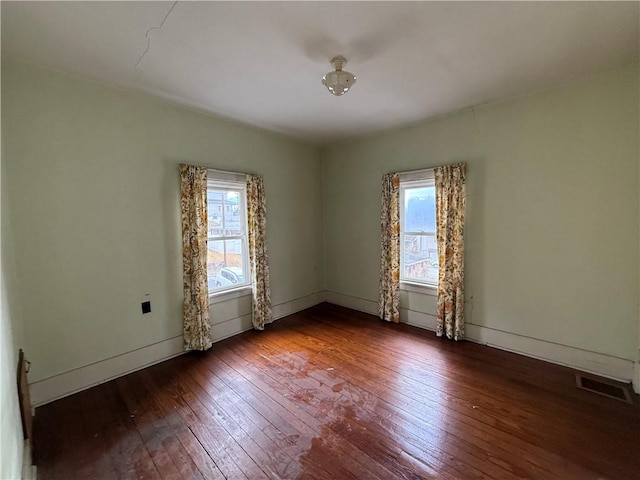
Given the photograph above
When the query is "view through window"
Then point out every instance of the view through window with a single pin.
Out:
(418, 247)
(227, 252)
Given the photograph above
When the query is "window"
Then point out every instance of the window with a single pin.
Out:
(227, 249)
(418, 243)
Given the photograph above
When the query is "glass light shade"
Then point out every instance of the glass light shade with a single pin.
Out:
(338, 82)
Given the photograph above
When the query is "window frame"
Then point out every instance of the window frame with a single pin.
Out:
(230, 182)
(409, 180)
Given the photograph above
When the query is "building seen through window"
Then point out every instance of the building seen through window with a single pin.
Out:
(227, 253)
(418, 247)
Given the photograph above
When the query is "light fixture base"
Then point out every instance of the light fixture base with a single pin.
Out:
(338, 62)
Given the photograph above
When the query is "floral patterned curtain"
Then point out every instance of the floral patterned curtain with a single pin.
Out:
(258, 257)
(450, 211)
(193, 205)
(389, 298)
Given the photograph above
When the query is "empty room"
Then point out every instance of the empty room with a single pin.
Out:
(320, 240)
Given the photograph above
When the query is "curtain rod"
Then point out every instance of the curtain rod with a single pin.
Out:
(228, 172)
(421, 170)
(416, 171)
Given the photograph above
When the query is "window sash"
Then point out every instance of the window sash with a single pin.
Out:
(421, 232)
(425, 180)
(226, 237)
(228, 183)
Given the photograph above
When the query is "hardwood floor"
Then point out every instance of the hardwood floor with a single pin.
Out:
(333, 393)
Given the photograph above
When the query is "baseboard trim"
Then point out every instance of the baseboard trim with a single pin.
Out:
(81, 378)
(418, 319)
(592, 362)
(67, 383)
(410, 317)
(231, 327)
(73, 381)
(297, 305)
(354, 303)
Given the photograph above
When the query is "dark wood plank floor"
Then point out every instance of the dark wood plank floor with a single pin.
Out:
(333, 393)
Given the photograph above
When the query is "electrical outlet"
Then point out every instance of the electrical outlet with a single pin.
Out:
(146, 307)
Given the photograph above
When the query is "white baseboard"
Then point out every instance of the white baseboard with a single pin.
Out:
(81, 378)
(592, 362)
(231, 327)
(73, 381)
(354, 303)
(418, 319)
(297, 305)
(411, 317)
(67, 383)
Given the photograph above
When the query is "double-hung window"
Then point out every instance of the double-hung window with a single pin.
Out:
(227, 248)
(418, 243)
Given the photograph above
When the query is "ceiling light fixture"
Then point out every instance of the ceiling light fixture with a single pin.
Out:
(338, 82)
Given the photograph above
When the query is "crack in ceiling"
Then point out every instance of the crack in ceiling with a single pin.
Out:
(146, 50)
(260, 63)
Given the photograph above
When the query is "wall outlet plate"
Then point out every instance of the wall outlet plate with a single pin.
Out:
(146, 307)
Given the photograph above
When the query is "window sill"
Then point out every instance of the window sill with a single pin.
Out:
(419, 288)
(224, 295)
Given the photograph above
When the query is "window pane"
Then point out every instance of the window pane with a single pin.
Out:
(214, 212)
(420, 258)
(224, 264)
(232, 214)
(224, 209)
(419, 209)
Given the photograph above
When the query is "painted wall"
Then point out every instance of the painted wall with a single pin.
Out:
(94, 193)
(636, 365)
(94, 201)
(552, 226)
(11, 338)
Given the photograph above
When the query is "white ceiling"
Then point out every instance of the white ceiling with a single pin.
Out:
(261, 63)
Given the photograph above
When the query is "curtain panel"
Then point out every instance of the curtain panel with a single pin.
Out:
(258, 257)
(193, 207)
(450, 213)
(389, 295)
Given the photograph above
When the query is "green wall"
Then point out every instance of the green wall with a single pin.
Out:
(94, 194)
(552, 221)
(552, 214)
